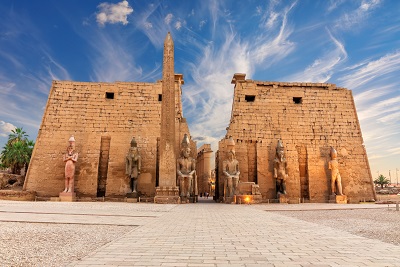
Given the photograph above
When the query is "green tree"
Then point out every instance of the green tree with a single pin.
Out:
(17, 135)
(381, 180)
(17, 152)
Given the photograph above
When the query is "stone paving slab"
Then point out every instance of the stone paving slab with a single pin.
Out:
(100, 213)
(321, 206)
(238, 235)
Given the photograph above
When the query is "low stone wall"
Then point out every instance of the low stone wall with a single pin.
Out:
(17, 195)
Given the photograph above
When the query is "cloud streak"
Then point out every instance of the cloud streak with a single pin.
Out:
(322, 69)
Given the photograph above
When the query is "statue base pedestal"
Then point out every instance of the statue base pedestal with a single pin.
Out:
(132, 195)
(283, 199)
(167, 195)
(67, 197)
(230, 200)
(338, 199)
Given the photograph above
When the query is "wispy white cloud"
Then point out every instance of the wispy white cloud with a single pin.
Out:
(368, 70)
(152, 24)
(178, 25)
(270, 50)
(27, 69)
(202, 23)
(375, 83)
(113, 13)
(208, 100)
(334, 4)
(6, 128)
(55, 70)
(322, 68)
(350, 20)
(111, 58)
(168, 18)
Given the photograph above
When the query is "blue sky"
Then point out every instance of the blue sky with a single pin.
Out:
(354, 44)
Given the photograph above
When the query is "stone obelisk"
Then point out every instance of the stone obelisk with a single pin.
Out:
(167, 192)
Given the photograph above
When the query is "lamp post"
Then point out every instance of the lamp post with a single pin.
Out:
(397, 177)
(390, 177)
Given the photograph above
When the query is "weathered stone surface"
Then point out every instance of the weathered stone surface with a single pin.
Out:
(67, 196)
(8, 180)
(104, 117)
(309, 118)
(167, 136)
(17, 195)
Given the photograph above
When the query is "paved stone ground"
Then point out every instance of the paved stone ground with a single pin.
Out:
(210, 234)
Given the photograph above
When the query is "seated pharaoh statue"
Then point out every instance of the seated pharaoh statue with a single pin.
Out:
(336, 179)
(280, 173)
(231, 173)
(186, 168)
(132, 165)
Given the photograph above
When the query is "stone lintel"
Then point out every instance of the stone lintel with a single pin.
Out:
(179, 78)
(238, 77)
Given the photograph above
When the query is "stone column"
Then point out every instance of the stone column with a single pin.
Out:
(167, 192)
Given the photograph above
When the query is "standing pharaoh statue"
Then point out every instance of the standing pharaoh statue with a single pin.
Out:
(186, 168)
(133, 164)
(280, 173)
(231, 170)
(70, 158)
(336, 179)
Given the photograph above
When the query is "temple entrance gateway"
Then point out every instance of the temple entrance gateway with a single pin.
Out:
(275, 147)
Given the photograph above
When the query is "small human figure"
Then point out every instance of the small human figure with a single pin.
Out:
(70, 158)
(280, 165)
(185, 168)
(336, 179)
(133, 163)
(231, 172)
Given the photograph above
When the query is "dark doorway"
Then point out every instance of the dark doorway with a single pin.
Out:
(103, 165)
(304, 184)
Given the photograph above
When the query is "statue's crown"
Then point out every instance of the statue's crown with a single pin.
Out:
(185, 141)
(279, 146)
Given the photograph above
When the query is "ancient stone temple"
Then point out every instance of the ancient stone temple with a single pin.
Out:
(104, 117)
(309, 119)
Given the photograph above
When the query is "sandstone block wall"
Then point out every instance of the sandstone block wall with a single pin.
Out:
(309, 118)
(103, 117)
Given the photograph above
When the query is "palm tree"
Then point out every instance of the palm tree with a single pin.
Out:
(17, 152)
(17, 135)
(381, 180)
